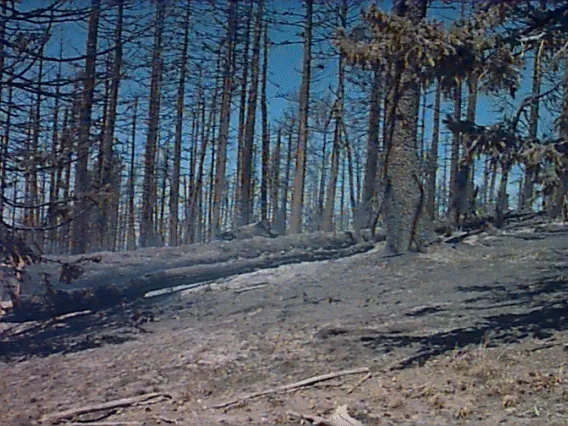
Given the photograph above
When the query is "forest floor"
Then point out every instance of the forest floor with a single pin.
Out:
(470, 333)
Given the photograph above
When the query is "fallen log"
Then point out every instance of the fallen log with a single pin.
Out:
(60, 302)
(121, 267)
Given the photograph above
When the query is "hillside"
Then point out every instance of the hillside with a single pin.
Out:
(472, 332)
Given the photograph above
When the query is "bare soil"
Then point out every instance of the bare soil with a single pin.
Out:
(471, 333)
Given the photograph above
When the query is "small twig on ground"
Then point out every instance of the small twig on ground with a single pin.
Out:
(252, 287)
(359, 383)
(123, 402)
(296, 385)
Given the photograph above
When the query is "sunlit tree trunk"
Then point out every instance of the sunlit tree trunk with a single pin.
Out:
(433, 157)
(275, 177)
(299, 177)
(244, 205)
(406, 222)
(221, 158)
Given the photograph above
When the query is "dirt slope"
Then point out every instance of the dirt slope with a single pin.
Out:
(473, 333)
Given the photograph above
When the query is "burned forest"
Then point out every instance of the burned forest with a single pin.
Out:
(317, 212)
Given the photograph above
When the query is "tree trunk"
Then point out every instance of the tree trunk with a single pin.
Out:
(194, 207)
(530, 173)
(342, 199)
(456, 143)
(244, 204)
(265, 133)
(35, 237)
(174, 194)
(131, 234)
(470, 115)
(562, 189)
(80, 235)
(283, 212)
(493, 181)
(462, 200)
(275, 178)
(327, 220)
(485, 184)
(4, 149)
(147, 225)
(108, 217)
(299, 177)
(433, 158)
(243, 106)
(405, 220)
(163, 201)
(350, 171)
(371, 166)
(5, 141)
(221, 158)
(502, 204)
(212, 204)
(57, 150)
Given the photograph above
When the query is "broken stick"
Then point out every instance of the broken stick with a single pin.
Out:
(123, 402)
(252, 287)
(291, 386)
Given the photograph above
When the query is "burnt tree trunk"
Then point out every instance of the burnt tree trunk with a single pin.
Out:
(371, 166)
(433, 157)
(264, 186)
(109, 219)
(531, 169)
(147, 225)
(406, 222)
(299, 177)
(225, 113)
(80, 235)
(244, 204)
(174, 194)
(131, 230)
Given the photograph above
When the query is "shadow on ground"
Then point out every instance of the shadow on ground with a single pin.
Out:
(74, 334)
(540, 308)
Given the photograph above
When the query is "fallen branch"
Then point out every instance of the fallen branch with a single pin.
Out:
(25, 327)
(166, 420)
(103, 423)
(252, 287)
(291, 386)
(339, 418)
(55, 418)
